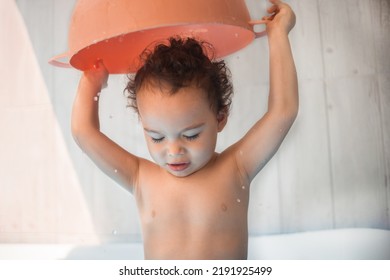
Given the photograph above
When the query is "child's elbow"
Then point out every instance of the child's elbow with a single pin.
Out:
(287, 115)
(293, 112)
(74, 128)
(291, 109)
(76, 134)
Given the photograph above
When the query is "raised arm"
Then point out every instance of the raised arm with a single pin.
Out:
(257, 147)
(107, 155)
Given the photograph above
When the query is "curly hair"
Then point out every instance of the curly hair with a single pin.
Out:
(181, 63)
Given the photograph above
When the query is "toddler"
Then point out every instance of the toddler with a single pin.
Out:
(192, 201)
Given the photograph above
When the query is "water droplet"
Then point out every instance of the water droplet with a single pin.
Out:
(95, 98)
(98, 94)
(116, 170)
(94, 41)
(238, 200)
(106, 41)
(241, 153)
(236, 35)
(243, 187)
(114, 232)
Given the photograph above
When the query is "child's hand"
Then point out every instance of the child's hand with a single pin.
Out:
(97, 76)
(282, 17)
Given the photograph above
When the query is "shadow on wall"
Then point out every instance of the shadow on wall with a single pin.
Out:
(39, 188)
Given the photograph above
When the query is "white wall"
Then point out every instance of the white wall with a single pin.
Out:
(332, 171)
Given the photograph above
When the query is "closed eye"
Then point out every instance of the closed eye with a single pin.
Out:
(192, 137)
(157, 140)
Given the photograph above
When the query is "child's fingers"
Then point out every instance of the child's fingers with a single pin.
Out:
(261, 21)
(269, 18)
(99, 64)
(273, 9)
(98, 73)
(275, 2)
(100, 67)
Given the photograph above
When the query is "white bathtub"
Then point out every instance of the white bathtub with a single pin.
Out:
(330, 244)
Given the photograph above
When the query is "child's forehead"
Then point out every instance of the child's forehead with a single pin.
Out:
(173, 122)
(182, 109)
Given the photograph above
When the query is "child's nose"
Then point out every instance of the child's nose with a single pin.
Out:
(175, 149)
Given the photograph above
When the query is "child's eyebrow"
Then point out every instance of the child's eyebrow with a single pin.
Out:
(193, 127)
(151, 131)
(185, 129)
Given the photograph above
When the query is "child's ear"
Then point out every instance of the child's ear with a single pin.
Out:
(222, 117)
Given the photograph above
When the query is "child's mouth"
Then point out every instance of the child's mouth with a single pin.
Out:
(178, 166)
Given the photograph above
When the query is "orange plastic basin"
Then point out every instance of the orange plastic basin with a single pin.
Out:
(117, 31)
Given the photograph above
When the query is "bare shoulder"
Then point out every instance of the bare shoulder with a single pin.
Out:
(148, 174)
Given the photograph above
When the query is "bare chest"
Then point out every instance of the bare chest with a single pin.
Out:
(209, 201)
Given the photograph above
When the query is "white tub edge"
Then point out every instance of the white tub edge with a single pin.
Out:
(327, 244)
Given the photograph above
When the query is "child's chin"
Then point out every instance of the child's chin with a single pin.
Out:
(182, 173)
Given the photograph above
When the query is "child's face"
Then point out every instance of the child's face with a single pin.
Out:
(180, 129)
